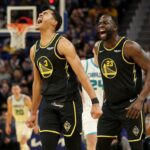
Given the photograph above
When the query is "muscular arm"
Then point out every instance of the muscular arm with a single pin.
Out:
(36, 87)
(66, 48)
(95, 50)
(134, 51)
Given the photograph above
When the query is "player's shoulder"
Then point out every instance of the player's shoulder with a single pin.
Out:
(97, 43)
(131, 44)
(33, 50)
(132, 48)
(65, 42)
(25, 96)
(10, 98)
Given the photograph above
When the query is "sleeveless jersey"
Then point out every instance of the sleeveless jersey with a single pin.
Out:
(20, 111)
(95, 77)
(122, 78)
(58, 78)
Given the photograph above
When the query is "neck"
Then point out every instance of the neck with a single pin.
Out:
(46, 36)
(110, 43)
(17, 97)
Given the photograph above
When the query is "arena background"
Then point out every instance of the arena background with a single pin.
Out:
(79, 26)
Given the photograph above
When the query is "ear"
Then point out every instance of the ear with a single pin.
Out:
(115, 28)
(54, 23)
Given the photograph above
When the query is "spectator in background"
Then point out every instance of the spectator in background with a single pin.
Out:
(4, 92)
(7, 142)
(17, 75)
(4, 75)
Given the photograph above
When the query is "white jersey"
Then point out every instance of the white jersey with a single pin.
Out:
(20, 111)
(95, 77)
(93, 72)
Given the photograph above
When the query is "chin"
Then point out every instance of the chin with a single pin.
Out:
(103, 38)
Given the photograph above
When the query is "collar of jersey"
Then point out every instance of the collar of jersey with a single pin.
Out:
(110, 49)
(48, 42)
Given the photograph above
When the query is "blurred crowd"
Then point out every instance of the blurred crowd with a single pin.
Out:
(81, 30)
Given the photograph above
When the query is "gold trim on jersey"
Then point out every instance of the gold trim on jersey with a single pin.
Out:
(35, 46)
(110, 49)
(62, 58)
(131, 63)
(107, 136)
(52, 131)
(135, 140)
(66, 68)
(134, 74)
(75, 121)
(45, 66)
(109, 68)
(48, 42)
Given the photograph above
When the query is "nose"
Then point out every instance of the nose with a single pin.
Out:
(40, 14)
(101, 25)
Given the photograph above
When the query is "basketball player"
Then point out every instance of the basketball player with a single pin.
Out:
(90, 124)
(54, 63)
(120, 61)
(19, 106)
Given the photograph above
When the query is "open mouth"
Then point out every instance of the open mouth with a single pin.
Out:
(102, 33)
(39, 20)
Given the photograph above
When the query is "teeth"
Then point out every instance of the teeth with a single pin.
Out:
(39, 20)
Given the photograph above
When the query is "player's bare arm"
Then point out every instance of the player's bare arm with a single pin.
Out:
(28, 102)
(67, 49)
(95, 49)
(36, 88)
(134, 51)
(9, 116)
(36, 91)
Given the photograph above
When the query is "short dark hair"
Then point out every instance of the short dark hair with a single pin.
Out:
(15, 84)
(115, 19)
(58, 18)
(55, 14)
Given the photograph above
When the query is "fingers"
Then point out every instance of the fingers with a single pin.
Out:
(96, 114)
(8, 131)
(30, 124)
(132, 113)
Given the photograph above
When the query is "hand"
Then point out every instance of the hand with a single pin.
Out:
(7, 140)
(36, 129)
(31, 122)
(134, 110)
(96, 111)
(8, 129)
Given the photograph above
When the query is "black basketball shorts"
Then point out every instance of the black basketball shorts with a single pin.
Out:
(114, 119)
(61, 116)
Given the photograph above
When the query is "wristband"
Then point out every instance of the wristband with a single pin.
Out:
(94, 100)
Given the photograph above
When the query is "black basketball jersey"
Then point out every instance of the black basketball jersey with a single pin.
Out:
(58, 78)
(122, 78)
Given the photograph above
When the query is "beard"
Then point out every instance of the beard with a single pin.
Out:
(108, 35)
